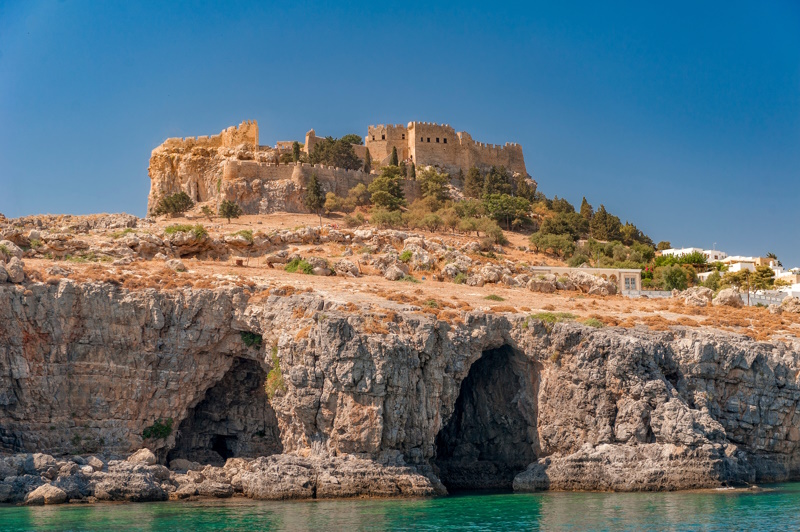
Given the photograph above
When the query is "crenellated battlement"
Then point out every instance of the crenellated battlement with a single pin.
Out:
(244, 133)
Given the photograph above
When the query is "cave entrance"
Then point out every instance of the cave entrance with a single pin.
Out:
(491, 436)
(234, 419)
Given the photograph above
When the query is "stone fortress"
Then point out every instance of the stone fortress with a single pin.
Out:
(234, 165)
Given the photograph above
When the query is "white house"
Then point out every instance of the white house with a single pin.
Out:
(711, 255)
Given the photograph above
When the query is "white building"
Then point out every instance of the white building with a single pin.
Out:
(711, 255)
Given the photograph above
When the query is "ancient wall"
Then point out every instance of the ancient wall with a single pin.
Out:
(427, 143)
(381, 139)
(244, 133)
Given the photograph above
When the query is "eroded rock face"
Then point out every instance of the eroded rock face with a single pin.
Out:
(589, 408)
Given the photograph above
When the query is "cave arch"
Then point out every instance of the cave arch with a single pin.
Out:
(491, 435)
(234, 419)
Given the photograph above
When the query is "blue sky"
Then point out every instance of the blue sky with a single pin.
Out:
(682, 117)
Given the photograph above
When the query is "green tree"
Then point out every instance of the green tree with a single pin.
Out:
(230, 209)
(605, 226)
(497, 181)
(351, 138)
(314, 199)
(473, 183)
(295, 151)
(524, 187)
(358, 196)
(561, 245)
(671, 277)
(174, 204)
(565, 223)
(367, 162)
(337, 153)
(502, 207)
(712, 281)
(561, 205)
(393, 160)
(664, 244)
(387, 189)
(433, 185)
(763, 278)
(774, 258)
(586, 210)
(413, 172)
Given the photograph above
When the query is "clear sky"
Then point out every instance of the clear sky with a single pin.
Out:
(682, 117)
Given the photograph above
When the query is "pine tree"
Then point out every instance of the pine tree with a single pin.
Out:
(473, 183)
(413, 174)
(367, 162)
(497, 181)
(586, 210)
(295, 151)
(314, 199)
(394, 160)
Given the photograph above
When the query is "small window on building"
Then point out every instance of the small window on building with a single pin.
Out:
(437, 140)
(373, 137)
(445, 140)
(403, 136)
(383, 137)
(429, 139)
(422, 139)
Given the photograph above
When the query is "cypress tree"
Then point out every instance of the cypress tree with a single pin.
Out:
(295, 151)
(394, 160)
(314, 198)
(586, 210)
(367, 162)
(413, 174)
(473, 183)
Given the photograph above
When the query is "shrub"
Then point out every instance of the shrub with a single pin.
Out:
(158, 430)
(115, 235)
(671, 277)
(431, 303)
(174, 204)
(386, 218)
(594, 322)
(230, 209)
(553, 317)
(207, 211)
(410, 279)
(246, 233)
(460, 278)
(354, 221)
(494, 297)
(251, 339)
(299, 264)
(274, 382)
(197, 230)
(406, 255)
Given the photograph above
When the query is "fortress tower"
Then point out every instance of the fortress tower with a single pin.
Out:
(426, 143)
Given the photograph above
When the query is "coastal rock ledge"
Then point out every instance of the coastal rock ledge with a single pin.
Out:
(111, 394)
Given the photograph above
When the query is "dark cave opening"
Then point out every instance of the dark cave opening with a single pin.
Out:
(491, 436)
(234, 419)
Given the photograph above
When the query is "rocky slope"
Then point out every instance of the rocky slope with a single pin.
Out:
(372, 400)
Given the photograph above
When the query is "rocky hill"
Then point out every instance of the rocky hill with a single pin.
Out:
(272, 384)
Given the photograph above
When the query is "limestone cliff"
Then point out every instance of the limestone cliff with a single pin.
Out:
(486, 401)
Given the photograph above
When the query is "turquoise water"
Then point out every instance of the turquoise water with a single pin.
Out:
(777, 508)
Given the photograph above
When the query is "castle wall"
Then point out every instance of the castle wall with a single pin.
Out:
(244, 133)
(381, 139)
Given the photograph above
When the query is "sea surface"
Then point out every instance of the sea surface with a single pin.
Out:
(774, 508)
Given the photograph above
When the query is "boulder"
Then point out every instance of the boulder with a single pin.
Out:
(96, 463)
(14, 270)
(3, 273)
(181, 464)
(728, 297)
(394, 273)
(542, 283)
(346, 267)
(697, 296)
(143, 456)
(8, 249)
(176, 265)
(46, 494)
(791, 304)
(58, 271)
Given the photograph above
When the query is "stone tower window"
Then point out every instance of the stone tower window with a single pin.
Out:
(403, 136)
(445, 140)
(429, 139)
(373, 137)
(437, 140)
(383, 136)
(422, 139)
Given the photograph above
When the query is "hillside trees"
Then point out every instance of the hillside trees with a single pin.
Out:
(393, 160)
(512, 210)
(473, 183)
(230, 209)
(314, 199)
(387, 189)
(352, 138)
(338, 153)
(174, 204)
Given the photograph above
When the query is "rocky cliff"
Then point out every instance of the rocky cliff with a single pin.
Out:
(482, 401)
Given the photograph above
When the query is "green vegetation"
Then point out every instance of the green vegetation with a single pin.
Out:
(299, 265)
(673, 277)
(367, 162)
(174, 204)
(295, 151)
(247, 234)
(198, 231)
(494, 297)
(251, 339)
(314, 200)
(159, 430)
(274, 382)
(393, 161)
(352, 138)
(553, 317)
(387, 189)
(460, 278)
(115, 235)
(230, 209)
(431, 303)
(410, 279)
(91, 256)
(406, 255)
(4, 250)
(594, 322)
(336, 152)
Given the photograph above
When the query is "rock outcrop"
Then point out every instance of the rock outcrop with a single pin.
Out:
(488, 400)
